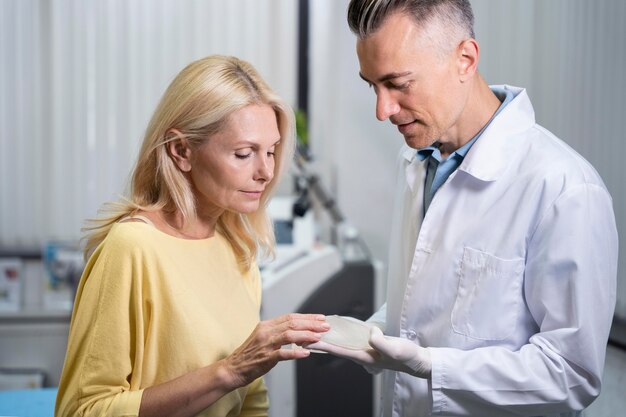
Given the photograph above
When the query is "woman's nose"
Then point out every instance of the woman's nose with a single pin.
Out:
(265, 169)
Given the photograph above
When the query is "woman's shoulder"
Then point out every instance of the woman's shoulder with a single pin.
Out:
(127, 238)
(129, 231)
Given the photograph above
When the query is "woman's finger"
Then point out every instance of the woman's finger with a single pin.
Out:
(298, 337)
(292, 352)
(294, 321)
(360, 356)
(265, 345)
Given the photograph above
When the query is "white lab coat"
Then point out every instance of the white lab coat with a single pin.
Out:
(510, 279)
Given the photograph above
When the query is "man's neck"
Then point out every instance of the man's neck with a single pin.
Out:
(481, 105)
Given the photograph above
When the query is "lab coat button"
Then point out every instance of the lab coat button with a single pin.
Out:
(411, 335)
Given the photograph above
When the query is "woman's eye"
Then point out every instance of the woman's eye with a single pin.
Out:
(243, 155)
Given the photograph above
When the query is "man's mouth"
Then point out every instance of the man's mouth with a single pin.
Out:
(404, 127)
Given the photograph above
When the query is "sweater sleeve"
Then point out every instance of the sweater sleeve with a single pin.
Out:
(105, 339)
(256, 403)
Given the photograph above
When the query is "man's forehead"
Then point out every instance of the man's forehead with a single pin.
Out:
(380, 62)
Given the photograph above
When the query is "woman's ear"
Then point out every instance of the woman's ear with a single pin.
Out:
(179, 150)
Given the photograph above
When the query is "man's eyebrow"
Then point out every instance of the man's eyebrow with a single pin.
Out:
(387, 77)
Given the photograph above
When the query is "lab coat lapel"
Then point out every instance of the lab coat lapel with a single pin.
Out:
(490, 156)
(406, 222)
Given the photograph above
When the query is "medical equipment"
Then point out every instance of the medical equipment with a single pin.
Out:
(308, 185)
(311, 277)
(318, 280)
(64, 263)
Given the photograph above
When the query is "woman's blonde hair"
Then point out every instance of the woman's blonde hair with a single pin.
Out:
(197, 104)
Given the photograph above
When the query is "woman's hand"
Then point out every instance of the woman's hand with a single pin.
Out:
(262, 350)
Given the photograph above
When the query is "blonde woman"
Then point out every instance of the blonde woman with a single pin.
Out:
(166, 318)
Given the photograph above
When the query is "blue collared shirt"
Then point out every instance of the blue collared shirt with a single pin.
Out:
(438, 170)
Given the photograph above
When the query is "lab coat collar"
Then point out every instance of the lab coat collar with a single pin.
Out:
(408, 153)
(490, 156)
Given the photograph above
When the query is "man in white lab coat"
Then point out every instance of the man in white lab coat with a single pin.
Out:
(503, 258)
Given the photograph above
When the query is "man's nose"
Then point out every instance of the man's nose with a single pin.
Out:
(386, 106)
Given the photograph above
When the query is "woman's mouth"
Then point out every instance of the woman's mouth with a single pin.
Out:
(253, 194)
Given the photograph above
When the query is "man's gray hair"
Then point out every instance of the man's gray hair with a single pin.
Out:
(366, 16)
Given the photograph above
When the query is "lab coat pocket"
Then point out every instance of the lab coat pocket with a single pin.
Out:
(489, 296)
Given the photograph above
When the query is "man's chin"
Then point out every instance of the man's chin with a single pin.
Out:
(417, 142)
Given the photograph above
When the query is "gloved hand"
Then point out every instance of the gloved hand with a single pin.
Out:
(400, 354)
(388, 352)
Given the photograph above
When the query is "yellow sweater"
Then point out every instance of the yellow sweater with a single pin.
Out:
(151, 307)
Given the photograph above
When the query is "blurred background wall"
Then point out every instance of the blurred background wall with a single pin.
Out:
(80, 80)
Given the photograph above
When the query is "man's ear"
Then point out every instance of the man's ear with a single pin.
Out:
(468, 53)
(179, 150)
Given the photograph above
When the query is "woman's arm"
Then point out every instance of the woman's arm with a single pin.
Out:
(197, 390)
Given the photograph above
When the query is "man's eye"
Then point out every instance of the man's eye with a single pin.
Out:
(398, 86)
(402, 86)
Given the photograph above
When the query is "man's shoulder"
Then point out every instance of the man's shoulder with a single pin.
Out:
(556, 158)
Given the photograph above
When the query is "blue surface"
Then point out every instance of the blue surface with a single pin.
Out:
(28, 402)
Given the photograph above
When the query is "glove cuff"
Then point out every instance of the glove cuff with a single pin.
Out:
(421, 364)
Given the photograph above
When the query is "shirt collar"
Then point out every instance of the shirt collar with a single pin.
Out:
(434, 152)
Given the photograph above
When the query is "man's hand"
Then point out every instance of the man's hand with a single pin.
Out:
(400, 354)
(388, 352)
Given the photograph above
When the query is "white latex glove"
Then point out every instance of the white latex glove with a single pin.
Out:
(400, 354)
(388, 352)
